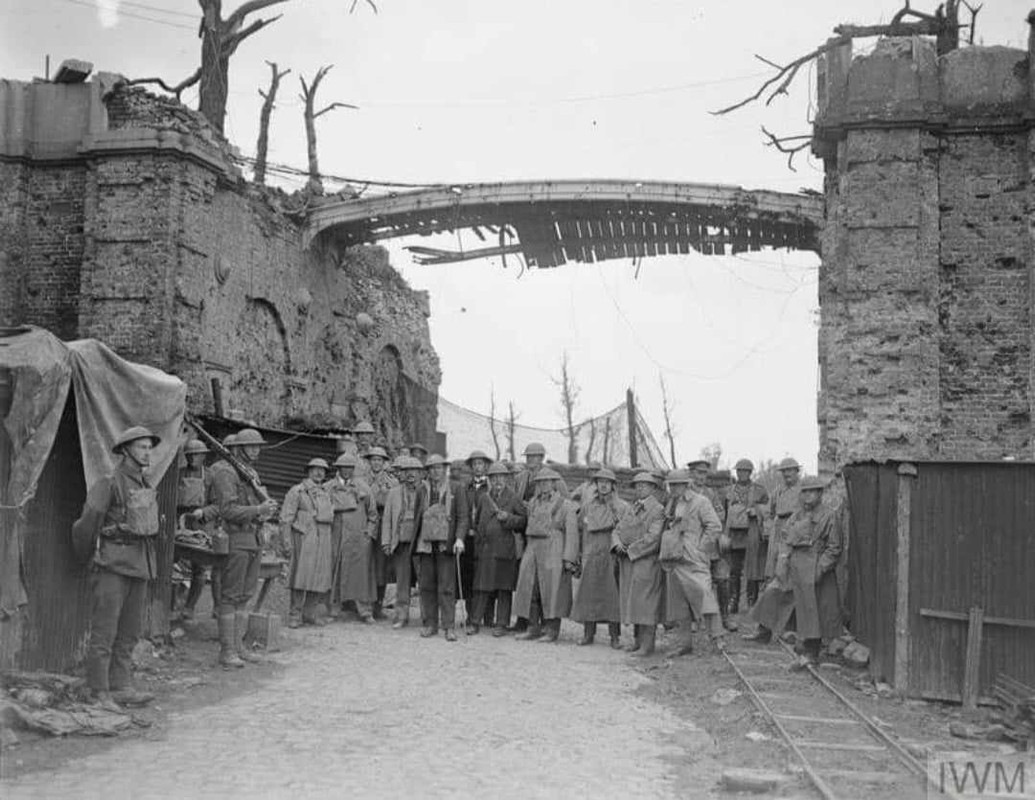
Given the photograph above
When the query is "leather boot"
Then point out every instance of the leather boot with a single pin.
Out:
(614, 631)
(637, 631)
(227, 650)
(734, 594)
(647, 635)
(722, 589)
(589, 632)
(552, 629)
(752, 593)
(377, 610)
(131, 697)
(534, 630)
(243, 651)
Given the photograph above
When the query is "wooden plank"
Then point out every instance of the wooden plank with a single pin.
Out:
(861, 748)
(1011, 622)
(905, 501)
(823, 720)
(862, 775)
(972, 664)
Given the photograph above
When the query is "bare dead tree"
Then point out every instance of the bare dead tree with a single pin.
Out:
(943, 24)
(220, 39)
(592, 438)
(570, 392)
(666, 410)
(268, 99)
(511, 426)
(781, 144)
(308, 96)
(607, 441)
(492, 423)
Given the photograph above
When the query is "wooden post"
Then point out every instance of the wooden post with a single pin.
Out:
(630, 407)
(906, 474)
(217, 397)
(972, 666)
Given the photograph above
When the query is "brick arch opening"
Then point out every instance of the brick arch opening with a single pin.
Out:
(264, 361)
(391, 404)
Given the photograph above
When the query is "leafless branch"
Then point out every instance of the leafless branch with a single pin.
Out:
(233, 40)
(780, 143)
(943, 23)
(492, 423)
(331, 107)
(176, 90)
(570, 392)
(370, 3)
(666, 410)
(236, 18)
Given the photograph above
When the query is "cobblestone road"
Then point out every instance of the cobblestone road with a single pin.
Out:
(370, 712)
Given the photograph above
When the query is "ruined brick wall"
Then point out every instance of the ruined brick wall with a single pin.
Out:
(157, 246)
(925, 286)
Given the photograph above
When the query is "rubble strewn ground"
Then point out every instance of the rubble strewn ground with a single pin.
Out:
(375, 710)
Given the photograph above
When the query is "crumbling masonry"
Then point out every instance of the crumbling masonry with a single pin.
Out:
(123, 218)
(926, 310)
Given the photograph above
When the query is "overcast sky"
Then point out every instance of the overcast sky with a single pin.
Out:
(487, 90)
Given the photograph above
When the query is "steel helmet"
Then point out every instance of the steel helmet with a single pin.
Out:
(645, 477)
(248, 436)
(534, 449)
(317, 462)
(497, 468)
(408, 462)
(604, 474)
(346, 460)
(814, 484)
(131, 435)
(230, 440)
(678, 476)
(546, 474)
(701, 462)
(195, 446)
(744, 463)
(435, 460)
(478, 454)
(788, 463)
(418, 446)
(363, 427)
(376, 452)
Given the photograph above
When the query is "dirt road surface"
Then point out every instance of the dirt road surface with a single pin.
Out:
(371, 712)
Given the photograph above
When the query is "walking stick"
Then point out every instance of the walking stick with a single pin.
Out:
(460, 593)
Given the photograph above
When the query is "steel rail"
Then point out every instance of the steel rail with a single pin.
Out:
(903, 755)
(815, 777)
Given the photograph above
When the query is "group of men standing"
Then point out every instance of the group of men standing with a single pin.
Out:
(510, 543)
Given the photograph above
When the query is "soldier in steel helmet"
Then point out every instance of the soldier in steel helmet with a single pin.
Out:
(380, 481)
(441, 523)
(305, 522)
(243, 507)
(635, 541)
(597, 599)
(718, 549)
(501, 520)
(398, 527)
(195, 505)
(745, 516)
(478, 463)
(809, 553)
(550, 557)
(120, 524)
(355, 528)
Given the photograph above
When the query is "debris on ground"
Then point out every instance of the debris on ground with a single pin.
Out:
(990, 733)
(1018, 710)
(724, 697)
(55, 705)
(751, 780)
(856, 655)
(757, 736)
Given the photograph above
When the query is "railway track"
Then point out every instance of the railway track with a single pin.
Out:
(843, 751)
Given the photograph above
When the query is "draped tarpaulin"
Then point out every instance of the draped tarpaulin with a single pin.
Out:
(111, 394)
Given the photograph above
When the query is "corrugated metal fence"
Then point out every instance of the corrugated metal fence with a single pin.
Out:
(936, 544)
